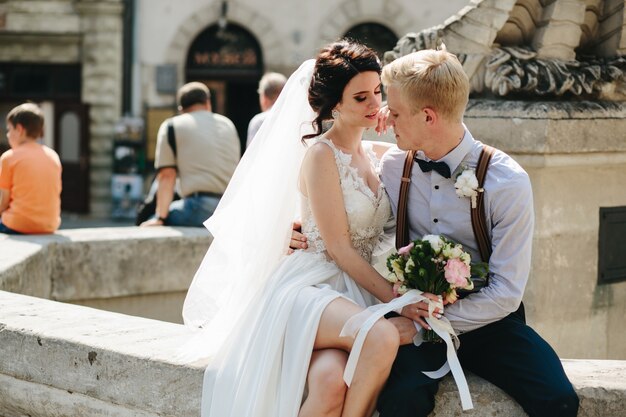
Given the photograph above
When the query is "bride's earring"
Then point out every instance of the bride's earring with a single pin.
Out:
(335, 114)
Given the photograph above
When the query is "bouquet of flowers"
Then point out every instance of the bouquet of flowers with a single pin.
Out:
(436, 265)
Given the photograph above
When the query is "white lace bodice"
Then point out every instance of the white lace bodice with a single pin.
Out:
(367, 212)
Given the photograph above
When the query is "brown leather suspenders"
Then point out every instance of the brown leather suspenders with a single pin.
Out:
(479, 224)
(402, 224)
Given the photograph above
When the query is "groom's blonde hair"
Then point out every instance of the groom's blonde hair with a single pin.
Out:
(430, 78)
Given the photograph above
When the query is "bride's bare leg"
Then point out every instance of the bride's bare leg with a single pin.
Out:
(327, 391)
(377, 355)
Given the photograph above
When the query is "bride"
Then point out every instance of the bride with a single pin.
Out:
(272, 323)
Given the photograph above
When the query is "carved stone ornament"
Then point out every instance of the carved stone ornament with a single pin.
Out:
(516, 70)
(548, 48)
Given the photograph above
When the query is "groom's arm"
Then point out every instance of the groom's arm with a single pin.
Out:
(511, 213)
(298, 240)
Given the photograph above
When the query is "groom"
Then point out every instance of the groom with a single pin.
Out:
(427, 92)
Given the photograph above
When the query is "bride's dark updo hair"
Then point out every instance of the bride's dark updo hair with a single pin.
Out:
(335, 65)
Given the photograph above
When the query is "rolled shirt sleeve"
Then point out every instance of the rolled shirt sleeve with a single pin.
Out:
(512, 217)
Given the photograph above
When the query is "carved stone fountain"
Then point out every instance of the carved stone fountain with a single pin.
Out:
(548, 80)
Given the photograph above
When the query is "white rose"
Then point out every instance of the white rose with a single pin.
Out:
(466, 184)
(402, 290)
(409, 265)
(435, 242)
(465, 257)
(397, 269)
(452, 251)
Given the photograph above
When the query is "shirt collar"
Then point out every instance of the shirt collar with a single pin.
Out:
(457, 155)
(454, 158)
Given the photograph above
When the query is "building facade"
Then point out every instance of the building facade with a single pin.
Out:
(90, 62)
(67, 56)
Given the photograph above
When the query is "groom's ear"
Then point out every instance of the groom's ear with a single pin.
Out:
(430, 116)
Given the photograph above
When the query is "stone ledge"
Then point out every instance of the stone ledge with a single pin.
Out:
(548, 128)
(81, 264)
(556, 110)
(77, 361)
(74, 360)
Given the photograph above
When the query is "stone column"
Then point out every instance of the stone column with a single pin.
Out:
(101, 25)
(558, 34)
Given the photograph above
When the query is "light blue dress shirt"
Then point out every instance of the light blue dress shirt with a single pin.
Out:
(434, 208)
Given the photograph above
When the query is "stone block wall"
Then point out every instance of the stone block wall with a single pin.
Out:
(140, 271)
(66, 360)
(575, 154)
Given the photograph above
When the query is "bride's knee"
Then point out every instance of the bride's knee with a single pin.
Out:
(384, 339)
(326, 383)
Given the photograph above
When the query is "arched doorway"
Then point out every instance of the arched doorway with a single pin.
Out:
(229, 61)
(378, 37)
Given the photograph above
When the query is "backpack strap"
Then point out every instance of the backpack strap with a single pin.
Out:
(479, 223)
(171, 136)
(402, 224)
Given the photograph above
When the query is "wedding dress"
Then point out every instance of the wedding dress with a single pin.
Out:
(263, 373)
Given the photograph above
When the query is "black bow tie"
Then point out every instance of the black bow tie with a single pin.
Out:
(441, 167)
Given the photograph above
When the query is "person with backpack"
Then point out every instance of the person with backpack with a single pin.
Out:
(202, 157)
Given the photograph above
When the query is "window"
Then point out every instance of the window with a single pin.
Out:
(378, 37)
(612, 245)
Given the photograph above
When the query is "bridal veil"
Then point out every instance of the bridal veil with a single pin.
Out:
(252, 225)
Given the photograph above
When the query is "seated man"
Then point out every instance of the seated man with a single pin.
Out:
(30, 176)
(207, 152)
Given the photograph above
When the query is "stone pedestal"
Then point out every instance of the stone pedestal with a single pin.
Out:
(575, 154)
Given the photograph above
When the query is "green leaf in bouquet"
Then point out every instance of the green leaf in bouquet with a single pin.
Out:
(479, 270)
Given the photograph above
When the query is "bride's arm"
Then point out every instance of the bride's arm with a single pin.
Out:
(319, 181)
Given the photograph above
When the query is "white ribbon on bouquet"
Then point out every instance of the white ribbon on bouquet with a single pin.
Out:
(360, 324)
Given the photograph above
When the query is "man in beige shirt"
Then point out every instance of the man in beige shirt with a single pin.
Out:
(207, 153)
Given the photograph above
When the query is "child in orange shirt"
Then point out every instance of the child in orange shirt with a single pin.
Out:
(30, 177)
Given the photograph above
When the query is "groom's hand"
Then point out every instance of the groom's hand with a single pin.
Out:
(406, 329)
(298, 240)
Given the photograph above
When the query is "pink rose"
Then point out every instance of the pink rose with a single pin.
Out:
(456, 272)
(404, 251)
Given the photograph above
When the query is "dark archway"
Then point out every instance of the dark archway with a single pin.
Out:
(229, 61)
(378, 37)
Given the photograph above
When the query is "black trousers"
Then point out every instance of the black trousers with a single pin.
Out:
(507, 353)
